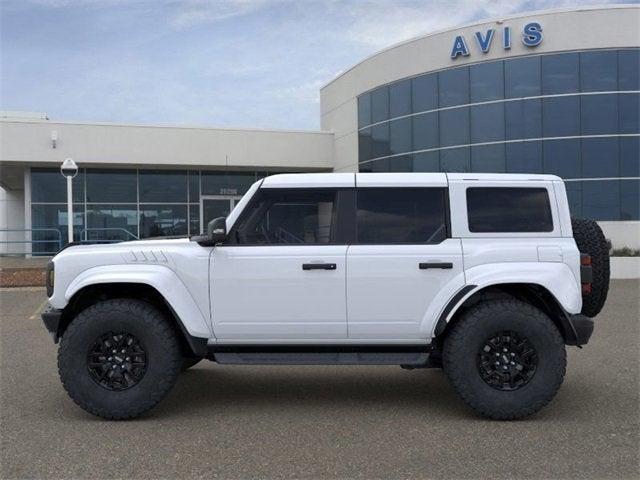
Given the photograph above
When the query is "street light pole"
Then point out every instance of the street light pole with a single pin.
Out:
(69, 169)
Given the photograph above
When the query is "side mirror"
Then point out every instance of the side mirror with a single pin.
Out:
(217, 230)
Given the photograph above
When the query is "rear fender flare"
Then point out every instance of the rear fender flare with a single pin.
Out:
(556, 278)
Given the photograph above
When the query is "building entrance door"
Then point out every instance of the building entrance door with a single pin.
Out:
(214, 206)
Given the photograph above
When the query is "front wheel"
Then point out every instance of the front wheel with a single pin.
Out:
(505, 358)
(119, 358)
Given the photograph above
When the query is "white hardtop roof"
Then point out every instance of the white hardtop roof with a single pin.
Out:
(345, 180)
(504, 177)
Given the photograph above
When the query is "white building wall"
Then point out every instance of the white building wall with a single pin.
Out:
(11, 217)
(29, 142)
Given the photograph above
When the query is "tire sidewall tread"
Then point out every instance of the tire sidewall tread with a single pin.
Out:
(464, 341)
(157, 336)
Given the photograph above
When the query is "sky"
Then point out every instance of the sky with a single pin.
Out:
(220, 63)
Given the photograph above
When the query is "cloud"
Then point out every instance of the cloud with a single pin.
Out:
(197, 12)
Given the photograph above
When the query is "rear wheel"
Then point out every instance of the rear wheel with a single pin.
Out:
(119, 358)
(505, 358)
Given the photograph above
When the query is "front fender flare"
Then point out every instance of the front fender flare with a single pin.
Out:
(161, 278)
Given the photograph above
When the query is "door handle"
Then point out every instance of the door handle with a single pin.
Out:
(318, 266)
(443, 265)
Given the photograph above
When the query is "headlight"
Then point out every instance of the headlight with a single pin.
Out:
(50, 278)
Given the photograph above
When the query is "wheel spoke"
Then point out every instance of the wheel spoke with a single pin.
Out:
(117, 361)
(507, 361)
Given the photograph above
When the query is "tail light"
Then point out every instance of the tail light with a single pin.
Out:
(586, 273)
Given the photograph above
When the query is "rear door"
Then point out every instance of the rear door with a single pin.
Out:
(402, 258)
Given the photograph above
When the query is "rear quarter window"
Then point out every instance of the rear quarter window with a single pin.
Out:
(508, 210)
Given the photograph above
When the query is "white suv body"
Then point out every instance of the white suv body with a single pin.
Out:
(346, 271)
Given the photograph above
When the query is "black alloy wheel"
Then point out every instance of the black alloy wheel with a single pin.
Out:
(507, 361)
(117, 361)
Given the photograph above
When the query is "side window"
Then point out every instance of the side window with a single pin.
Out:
(508, 210)
(289, 217)
(401, 215)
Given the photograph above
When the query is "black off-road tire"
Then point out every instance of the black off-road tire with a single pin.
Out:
(590, 240)
(156, 336)
(468, 337)
(188, 362)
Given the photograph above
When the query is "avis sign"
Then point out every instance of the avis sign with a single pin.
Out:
(531, 37)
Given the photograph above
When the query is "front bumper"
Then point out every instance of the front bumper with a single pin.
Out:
(582, 327)
(51, 318)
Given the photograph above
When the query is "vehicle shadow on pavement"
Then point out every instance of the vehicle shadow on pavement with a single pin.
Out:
(209, 387)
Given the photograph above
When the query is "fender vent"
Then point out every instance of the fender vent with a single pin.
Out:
(147, 256)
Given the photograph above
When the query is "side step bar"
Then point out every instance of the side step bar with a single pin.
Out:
(410, 356)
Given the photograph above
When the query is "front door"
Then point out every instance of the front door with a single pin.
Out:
(281, 275)
(214, 206)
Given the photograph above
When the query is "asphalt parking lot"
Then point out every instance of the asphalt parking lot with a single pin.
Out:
(322, 422)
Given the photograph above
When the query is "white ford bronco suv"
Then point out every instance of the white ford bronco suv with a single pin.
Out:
(483, 275)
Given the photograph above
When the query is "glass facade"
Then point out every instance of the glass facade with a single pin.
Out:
(125, 204)
(574, 114)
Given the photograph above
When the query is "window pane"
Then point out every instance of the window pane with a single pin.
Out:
(629, 112)
(163, 220)
(53, 217)
(364, 110)
(455, 160)
(454, 87)
(163, 186)
(194, 219)
(630, 200)
(426, 162)
(401, 215)
(289, 218)
(424, 92)
(380, 140)
(523, 119)
(112, 186)
(574, 195)
(524, 157)
(599, 114)
(380, 104)
(601, 200)
(522, 77)
(194, 186)
(381, 165)
(560, 73)
(488, 158)
(400, 98)
(600, 157)
(630, 156)
(454, 127)
(365, 145)
(400, 135)
(599, 71)
(402, 163)
(48, 185)
(487, 123)
(487, 81)
(112, 222)
(425, 131)
(506, 209)
(629, 69)
(226, 183)
(561, 116)
(562, 158)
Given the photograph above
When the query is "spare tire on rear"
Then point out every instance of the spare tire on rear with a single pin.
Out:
(590, 240)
